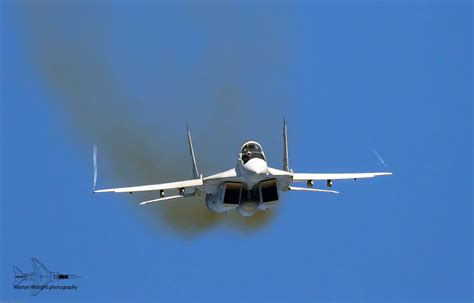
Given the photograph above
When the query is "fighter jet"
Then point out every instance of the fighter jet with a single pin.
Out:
(39, 278)
(250, 186)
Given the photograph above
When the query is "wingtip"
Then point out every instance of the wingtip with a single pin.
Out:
(383, 174)
(101, 190)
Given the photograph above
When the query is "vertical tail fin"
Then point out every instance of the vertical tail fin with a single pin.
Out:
(38, 267)
(286, 166)
(193, 158)
(17, 271)
(94, 161)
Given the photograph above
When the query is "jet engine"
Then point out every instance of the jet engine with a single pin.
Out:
(231, 195)
(226, 197)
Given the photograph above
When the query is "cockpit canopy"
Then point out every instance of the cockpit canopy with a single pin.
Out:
(251, 150)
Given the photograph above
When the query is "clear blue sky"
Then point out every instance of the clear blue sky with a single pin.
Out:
(395, 77)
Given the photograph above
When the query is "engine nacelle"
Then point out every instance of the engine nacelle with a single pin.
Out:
(233, 195)
(269, 194)
(227, 197)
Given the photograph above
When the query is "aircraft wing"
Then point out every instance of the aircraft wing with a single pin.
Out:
(43, 284)
(341, 176)
(195, 183)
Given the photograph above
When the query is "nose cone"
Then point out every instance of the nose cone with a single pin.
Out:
(256, 166)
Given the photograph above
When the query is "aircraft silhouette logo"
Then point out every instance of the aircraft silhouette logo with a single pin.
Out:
(39, 279)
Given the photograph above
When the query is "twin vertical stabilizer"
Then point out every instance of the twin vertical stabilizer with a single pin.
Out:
(193, 158)
(286, 166)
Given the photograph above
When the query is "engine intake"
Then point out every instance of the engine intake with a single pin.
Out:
(269, 190)
(249, 200)
(232, 193)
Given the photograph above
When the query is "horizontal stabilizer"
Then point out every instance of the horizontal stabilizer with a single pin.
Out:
(312, 189)
(167, 198)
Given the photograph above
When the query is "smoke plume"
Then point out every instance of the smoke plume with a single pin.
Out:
(130, 79)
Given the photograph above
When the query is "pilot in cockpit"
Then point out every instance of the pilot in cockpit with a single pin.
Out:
(251, 150)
